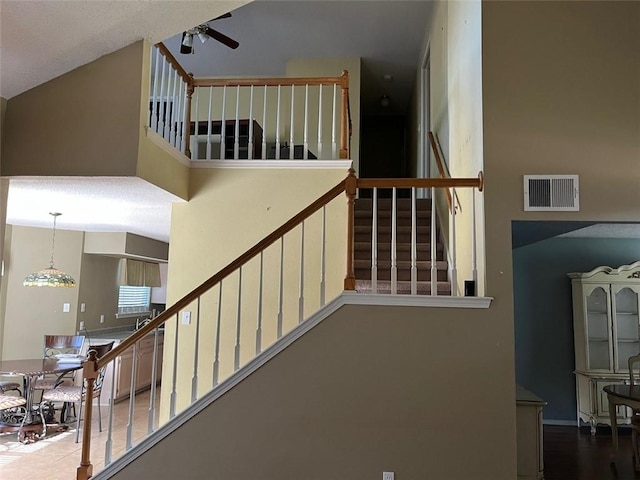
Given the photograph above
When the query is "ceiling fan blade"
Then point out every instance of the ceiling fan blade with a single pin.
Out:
(229, 42)
(226, 15)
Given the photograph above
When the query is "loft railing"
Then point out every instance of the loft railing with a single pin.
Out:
(243, 317)
(249, 118)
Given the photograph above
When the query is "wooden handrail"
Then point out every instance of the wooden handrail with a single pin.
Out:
(266, 82)
(172, 60)
(476, 182)
(226, 271)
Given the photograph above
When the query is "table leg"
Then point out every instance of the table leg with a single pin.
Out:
(614, 426)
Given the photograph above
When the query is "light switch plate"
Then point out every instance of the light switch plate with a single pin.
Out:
(186, 318)
(83, 307)
(66, 307)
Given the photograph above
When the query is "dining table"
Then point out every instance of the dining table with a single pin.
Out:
(31, 424)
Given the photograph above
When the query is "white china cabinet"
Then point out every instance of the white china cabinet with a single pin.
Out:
(606, 330)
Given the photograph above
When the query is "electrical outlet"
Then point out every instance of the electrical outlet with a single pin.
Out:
(81, 326)
(186, 318)
(388, 476)
(101, 318)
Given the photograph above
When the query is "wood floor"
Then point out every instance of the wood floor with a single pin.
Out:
(573, 454)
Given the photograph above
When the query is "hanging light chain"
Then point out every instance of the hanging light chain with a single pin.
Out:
(53, 236)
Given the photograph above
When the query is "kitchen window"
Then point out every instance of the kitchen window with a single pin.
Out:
(133, 301)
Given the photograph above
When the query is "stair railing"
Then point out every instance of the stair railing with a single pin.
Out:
(249, 118)
(206, 308)
(355, 187)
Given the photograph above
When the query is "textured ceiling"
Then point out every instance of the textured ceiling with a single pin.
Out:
(42, 39)
(95, 204)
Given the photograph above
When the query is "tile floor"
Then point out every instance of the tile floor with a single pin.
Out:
(57, 456)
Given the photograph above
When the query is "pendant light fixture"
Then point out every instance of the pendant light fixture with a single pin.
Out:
(51, 276)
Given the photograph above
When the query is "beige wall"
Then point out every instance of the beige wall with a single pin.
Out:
(32, 312)
(86, 122)
(454, 48)
(4, 191)
(98, 290)
(371, 389)
(230, 211)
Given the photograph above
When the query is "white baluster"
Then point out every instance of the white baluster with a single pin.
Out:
(434, 266)
(278, 126)
(374, 241)
(320, 129)
(474, 245)
(108, 446)
(236, 133)
(154, 378)
(194, 379)
(183, 118)
(161, 103)
(394, 254)
(174, 94)
(174, 380)
(195, 154)
(281, 289)
(223, 125)
(414, 248)
(236, 361)
(291, 128)
(323, 256)
(132, 397)
(216, 357)
(250, 144)
(259, 329)
(264, 125)
(166, 114)
(334, 143)
(153, 121)
(305, 141)
(179, 114)
(209, 124)
(454, 269)
(301, 296)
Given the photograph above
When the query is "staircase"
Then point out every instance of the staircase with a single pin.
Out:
(363, 239)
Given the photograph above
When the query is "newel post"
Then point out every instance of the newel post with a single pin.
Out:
(351, 187)
(344, 130)
(187, 128)
(90, 373)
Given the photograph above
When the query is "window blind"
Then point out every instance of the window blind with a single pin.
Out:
(133, 300)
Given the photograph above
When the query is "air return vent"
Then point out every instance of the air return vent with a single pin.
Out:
(551, 192)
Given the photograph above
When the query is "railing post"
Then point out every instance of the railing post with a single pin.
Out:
(90, 373)
(344, 127)
(187, 127)
(351, 187)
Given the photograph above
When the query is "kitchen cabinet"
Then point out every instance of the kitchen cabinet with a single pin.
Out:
(144, 366)
(606, 328)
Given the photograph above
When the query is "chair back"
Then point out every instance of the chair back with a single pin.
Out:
(632, 362)
(100, 350)
(56, 344)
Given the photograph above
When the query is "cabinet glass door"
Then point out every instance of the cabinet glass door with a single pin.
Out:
(598, 330)
(625, 307)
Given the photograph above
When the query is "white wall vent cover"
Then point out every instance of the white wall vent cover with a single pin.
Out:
(551, 193)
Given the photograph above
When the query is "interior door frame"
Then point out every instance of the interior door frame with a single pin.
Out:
(424, 162)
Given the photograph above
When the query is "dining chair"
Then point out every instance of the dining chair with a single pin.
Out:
(59, 345)
(70, 395)
(635, 416)
(8, 385)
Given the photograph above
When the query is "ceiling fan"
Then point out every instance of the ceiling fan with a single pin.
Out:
(204, 32)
